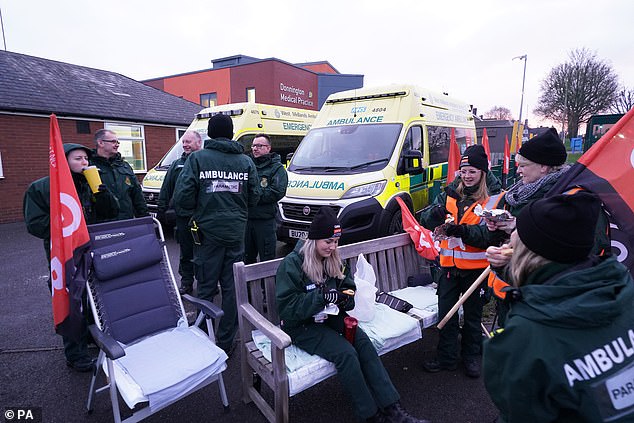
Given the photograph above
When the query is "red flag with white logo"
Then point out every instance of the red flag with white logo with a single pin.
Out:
(420, 236)
(69, 242)
(485, 144)
(507, 156)
(454, 157)
(607, 169)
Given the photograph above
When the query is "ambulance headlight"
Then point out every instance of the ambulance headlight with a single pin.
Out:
(367, 190)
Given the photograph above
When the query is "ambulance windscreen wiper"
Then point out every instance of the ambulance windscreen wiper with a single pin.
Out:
(366, 164)
(320, 168)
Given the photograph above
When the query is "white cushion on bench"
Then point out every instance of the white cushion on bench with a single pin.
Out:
(424, 301)
(306, 370)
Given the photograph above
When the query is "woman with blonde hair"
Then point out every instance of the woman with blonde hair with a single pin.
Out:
(312, 277)
(566, 353)
(462, 259)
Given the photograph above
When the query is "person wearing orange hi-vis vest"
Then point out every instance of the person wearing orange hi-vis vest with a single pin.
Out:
(462, 258)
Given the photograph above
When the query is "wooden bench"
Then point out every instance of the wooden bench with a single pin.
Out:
(393, 258)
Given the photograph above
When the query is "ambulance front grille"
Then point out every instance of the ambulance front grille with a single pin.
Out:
(304, 212)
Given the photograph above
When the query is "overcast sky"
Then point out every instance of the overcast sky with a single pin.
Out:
(462, 47)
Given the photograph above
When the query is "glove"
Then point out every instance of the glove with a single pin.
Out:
(335, 297)
(439, 212)
(102, 188)
(455, 230)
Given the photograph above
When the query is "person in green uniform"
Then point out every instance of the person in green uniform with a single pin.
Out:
(192, 141)
(462, 259)
(566, 353)
(541, 164)
(260, 237)
(97, 207)
(308, 279)
(118, 175)
(216, 187)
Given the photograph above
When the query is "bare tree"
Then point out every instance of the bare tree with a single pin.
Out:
(499, 113)
(624, 101)
(575, 90)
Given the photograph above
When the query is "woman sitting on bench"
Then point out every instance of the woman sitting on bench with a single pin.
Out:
(311, 278)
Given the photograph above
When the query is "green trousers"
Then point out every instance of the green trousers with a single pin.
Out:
(359, 367)
(260, 240)
(213, 265)
(186, 244)
(452, 283)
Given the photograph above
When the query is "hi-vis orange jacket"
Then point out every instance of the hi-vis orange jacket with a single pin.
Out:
(470, 257)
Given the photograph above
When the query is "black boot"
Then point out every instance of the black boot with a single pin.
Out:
(378, 418)
(396, 414)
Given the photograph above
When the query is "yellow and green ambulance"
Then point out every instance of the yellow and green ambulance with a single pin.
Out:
(285, 125)
(366, 147)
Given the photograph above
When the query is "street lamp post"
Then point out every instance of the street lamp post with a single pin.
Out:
(523, 57)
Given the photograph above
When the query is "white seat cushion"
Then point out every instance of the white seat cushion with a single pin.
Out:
(306, 370)
(424, 301)
(164, 367)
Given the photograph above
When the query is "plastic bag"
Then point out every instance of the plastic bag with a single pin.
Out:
(365, 296)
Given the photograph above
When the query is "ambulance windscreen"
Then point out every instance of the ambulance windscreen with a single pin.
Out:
(346, 148)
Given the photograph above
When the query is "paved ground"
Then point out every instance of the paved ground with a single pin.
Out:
(33, 371)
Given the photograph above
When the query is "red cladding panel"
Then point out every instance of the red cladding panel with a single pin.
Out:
(275, 83)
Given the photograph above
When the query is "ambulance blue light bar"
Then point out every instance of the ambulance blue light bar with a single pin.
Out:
(366, 97)
(235, 112)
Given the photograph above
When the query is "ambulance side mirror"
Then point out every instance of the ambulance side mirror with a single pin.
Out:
(412, 162)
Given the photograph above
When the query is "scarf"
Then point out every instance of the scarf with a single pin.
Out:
(521, 193)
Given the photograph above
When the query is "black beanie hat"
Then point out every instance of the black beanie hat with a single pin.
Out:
(324, 225)
(220, 126)
(560, 228)
(475, 156)
(545, 149)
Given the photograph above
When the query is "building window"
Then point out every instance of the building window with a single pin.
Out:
(1, 169)
(132, 147)
(208, 100)
(251, 95)
(83, 126)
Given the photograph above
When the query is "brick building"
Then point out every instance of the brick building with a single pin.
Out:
(147, 121)
(240, 78)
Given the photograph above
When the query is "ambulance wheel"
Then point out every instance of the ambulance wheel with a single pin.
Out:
(393, 224)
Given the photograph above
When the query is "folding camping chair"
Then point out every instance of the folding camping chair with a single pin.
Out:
(151, 354)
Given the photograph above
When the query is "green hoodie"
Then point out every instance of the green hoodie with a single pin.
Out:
(216, 187)
(567, 351)
(36, 206)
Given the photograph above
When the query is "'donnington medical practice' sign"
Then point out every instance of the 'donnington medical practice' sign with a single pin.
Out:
(296, 96)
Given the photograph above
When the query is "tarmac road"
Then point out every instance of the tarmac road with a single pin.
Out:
(33, 371)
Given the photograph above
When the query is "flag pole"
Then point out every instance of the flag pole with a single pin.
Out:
(464, 297)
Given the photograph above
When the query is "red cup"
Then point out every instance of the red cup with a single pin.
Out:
(350, 328)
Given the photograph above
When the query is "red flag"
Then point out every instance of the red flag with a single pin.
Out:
(454, 157)
(420, 236)
(607, 169)
(507, 156)
(69, 241)
(485, 144)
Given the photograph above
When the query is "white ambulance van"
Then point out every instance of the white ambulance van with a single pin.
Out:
(285, 125)
(366, 147)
